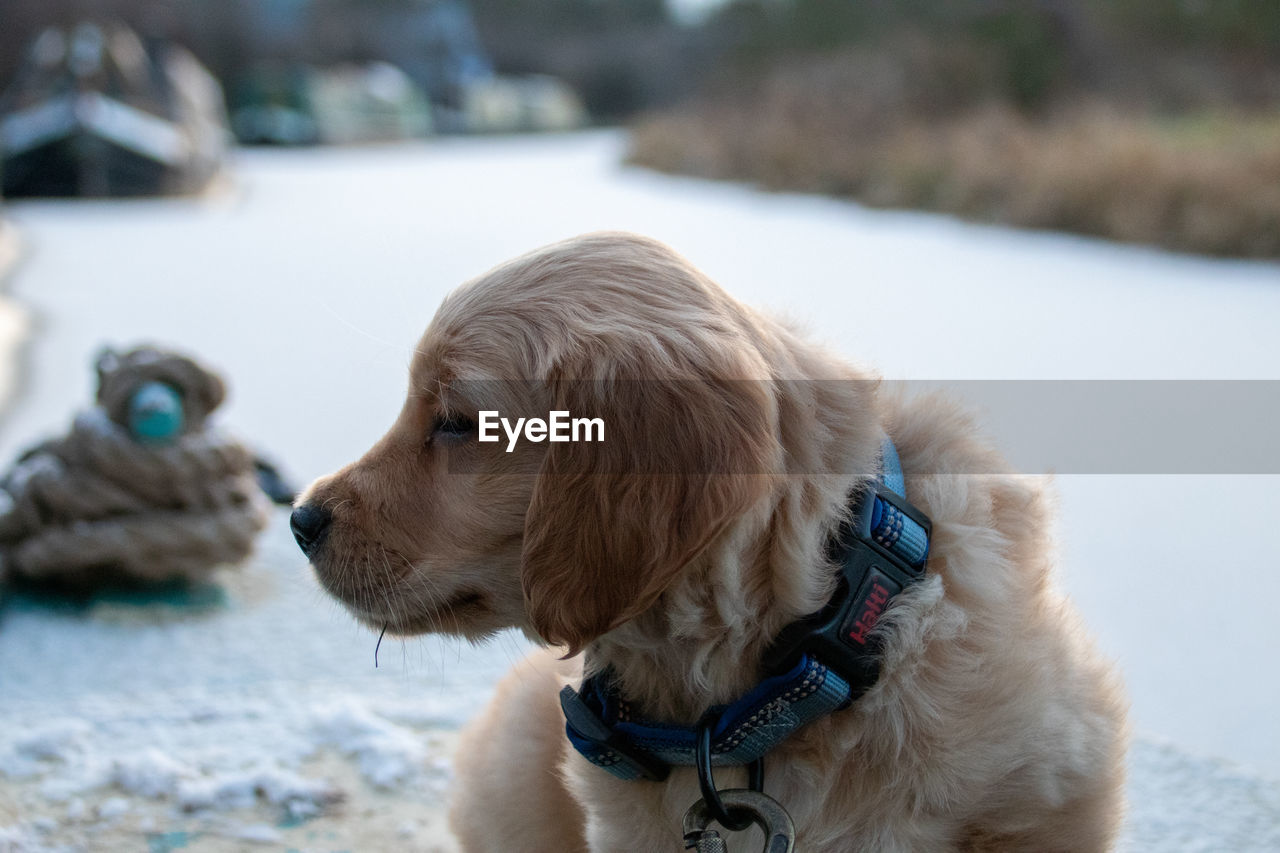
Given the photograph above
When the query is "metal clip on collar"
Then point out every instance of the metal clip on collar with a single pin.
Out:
(734, 809)
(707, 783)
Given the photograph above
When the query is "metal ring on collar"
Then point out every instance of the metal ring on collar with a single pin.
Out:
(707, 783)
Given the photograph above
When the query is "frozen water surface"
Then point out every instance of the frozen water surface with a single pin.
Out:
(308, 286)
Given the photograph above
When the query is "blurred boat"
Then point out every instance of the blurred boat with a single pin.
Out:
(299, 105)
(532, 103)
(376, 102)
(272, 105)
(96, 112)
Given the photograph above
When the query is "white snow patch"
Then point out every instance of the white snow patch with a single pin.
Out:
(228, 760)
(61, 742)
(299, 796)
(150, 774)
(113, 808)
(25, 470)
(20, 839)
(1179, 802)
(257, 833)
(387, 754)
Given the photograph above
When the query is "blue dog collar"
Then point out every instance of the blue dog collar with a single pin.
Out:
(818, 665)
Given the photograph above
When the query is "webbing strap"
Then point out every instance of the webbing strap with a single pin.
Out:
(601, 725)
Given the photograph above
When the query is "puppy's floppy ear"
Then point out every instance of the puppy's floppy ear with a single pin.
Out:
(612, 523)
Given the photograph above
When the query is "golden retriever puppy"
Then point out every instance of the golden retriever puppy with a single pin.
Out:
(673, 552)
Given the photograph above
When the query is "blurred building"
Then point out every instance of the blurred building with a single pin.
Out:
(433, 42)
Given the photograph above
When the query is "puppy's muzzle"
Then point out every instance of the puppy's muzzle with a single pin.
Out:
(309, 524)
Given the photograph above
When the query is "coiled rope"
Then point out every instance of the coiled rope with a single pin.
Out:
(105, 502)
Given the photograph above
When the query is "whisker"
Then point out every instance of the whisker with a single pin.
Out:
(379, 645)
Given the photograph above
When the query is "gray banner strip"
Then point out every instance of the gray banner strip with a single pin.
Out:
(1040, 426)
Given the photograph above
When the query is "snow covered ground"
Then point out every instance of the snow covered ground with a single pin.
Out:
(250, 713)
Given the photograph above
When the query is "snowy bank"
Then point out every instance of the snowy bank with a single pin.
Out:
(95, 743)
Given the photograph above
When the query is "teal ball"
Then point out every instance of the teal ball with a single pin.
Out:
(155, 413)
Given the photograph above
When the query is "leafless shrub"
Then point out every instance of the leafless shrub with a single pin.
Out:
(910, 134)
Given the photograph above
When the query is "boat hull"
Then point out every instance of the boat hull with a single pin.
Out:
(124, 122)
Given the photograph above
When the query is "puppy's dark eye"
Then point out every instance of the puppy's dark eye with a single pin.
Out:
(452, 426)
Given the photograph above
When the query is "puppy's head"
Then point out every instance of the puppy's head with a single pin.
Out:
(434, 530)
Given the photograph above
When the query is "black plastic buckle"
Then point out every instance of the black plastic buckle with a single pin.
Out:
(840, 635)
(587, 724)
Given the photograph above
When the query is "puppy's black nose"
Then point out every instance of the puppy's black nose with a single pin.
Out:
(309, 523)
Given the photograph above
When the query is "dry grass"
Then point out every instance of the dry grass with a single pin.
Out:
(1208, 184)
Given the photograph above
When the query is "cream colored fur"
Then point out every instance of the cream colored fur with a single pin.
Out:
(995, 725)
